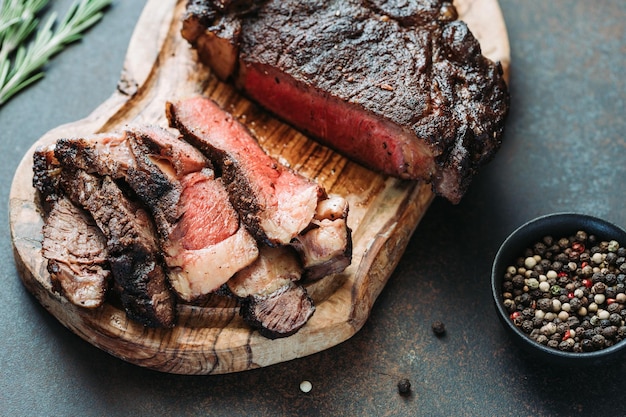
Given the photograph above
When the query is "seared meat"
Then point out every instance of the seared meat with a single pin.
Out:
(204, 243)
(72, 244)
(168, 151)
(136, 264)
(77, 254)
(274, 202)
(199, 230)
(326, 246)
(127, 205)
(401, 87)
(132, 243)
(104, 154)
(279, 314)
(46, 175)
(273, 269)
(207, 245)
(272, 299)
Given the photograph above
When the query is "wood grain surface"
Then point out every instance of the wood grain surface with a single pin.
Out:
(211, 338)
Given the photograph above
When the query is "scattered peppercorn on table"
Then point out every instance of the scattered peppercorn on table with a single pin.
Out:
(433, 344)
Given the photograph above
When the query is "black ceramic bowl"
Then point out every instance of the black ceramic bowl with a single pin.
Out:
(557, 225)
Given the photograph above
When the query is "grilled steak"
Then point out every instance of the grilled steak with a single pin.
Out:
(77, 255)
(72, 244)
(273, 269)
(133, 250)
(46, 175)
(401, 87)
(146, 208)
(207, 245)
(168, 151)
(326, 246)
(87, 179)
(279, 314)
(275, 203)
(199, 231)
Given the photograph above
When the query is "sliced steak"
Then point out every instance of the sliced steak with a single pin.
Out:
(207, 245)
(134, 254)
(274, 202)
(72, 244)
(104, 154)
(401, 87)
(123, 157)
(326, 246)
(203, 241)
(279, 314)
(273, 269)
(77, 254)
(168, 151)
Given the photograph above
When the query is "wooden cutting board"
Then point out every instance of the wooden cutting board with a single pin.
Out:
(212, 338)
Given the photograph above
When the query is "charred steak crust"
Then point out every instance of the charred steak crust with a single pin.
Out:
(134, 255)
(407, 77)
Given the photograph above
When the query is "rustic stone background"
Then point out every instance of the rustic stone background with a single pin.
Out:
(564, 150)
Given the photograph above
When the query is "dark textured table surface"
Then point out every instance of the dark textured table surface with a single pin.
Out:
(564, 150)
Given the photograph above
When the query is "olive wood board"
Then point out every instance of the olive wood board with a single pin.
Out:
(212, 338)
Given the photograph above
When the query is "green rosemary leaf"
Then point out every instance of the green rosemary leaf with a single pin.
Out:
(21, 59)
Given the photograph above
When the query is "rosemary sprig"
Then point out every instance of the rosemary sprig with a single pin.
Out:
(21, 63)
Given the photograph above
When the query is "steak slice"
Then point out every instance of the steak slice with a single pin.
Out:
(273, 269)
(134, 254)
(325, 248)
(207, 245)
(274, 202)
(279, 314)
(72, 244)
(46, 175)
(203, 241)
(272, 299)
(77, 255)
(401, 87)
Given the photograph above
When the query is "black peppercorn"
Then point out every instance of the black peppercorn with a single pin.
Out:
(518, 281)
(613, 308)
(611, 258)
(404, 387)
(609, 332)
(438, 328)
(615, 319)
(598, 341)
(544, 304)
(587, 345)
(597, 277)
